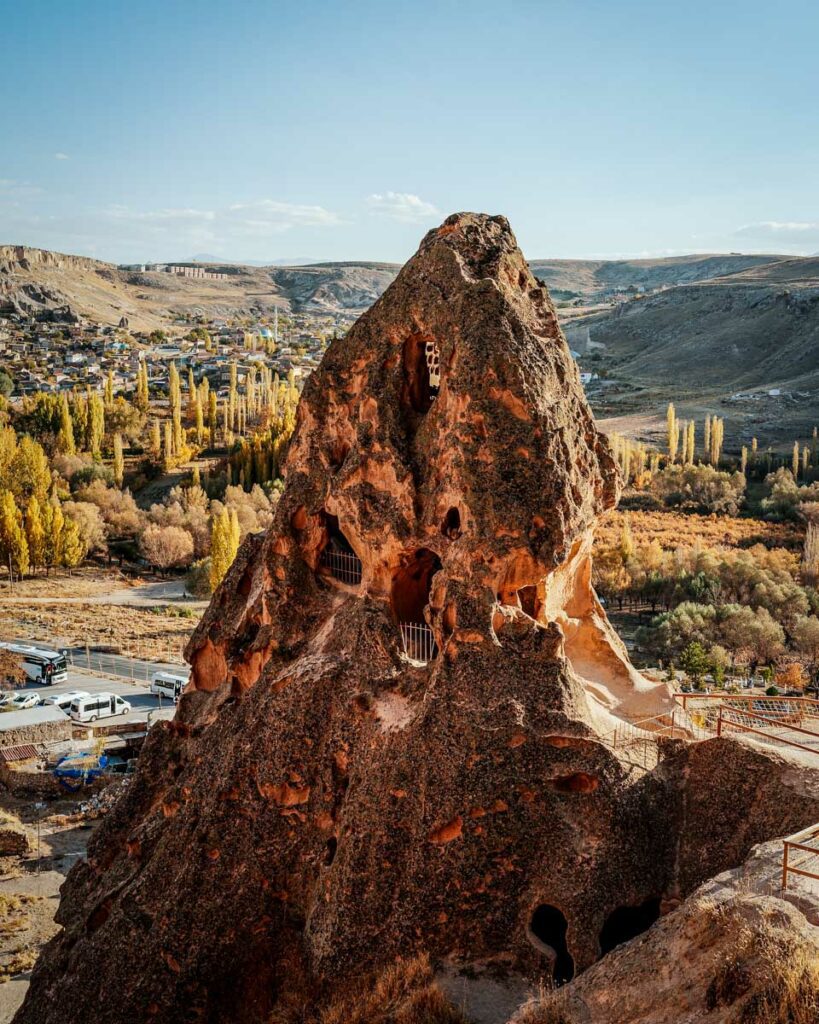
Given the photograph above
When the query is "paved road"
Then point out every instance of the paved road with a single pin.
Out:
(120, 666)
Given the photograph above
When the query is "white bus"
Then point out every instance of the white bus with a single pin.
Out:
(168, 684)
(40, 664)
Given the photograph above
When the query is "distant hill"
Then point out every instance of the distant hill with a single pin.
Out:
(595, 280)
(717, 345)
(49, 283)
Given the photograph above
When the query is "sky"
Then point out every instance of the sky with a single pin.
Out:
(316, 130)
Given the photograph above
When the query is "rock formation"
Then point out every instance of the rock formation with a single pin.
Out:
(393, 739)
(738, 951)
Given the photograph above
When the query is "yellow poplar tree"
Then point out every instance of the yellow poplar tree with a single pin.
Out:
(65, 438)
(673, 433)
(119, 460)
(35, 535)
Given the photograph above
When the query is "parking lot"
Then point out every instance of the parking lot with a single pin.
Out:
(137, 693)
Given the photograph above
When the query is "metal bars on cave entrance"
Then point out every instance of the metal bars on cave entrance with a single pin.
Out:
(343, 565)
(419, 642)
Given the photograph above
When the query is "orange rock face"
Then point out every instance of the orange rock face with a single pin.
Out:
(391, 741)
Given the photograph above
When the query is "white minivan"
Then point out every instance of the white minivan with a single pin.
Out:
(168, 684)
(98, 705)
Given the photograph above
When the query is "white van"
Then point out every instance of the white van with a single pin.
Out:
(168, 684)
(98, 705)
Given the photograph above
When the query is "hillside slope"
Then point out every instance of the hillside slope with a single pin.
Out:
(723, 345)
(596, 279)
(42, 282)
(46, 283)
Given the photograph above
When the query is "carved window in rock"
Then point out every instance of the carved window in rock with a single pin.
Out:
(433, 358)
(409, 598)
(422, 372)
(337, 556)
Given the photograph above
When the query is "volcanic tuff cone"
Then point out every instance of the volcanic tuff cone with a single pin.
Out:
(390, 742)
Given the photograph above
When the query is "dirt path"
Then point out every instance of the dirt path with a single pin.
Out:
(146, 596)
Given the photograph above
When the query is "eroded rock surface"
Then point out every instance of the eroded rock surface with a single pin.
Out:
(738, 951)
(322, 802)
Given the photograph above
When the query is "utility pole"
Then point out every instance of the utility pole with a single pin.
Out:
(276, 325)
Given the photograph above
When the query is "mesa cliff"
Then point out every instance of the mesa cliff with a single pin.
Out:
(394, 741)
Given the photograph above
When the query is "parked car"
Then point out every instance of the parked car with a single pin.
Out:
(63, 701)
(98, 705)
(6, 697)
(22, 701)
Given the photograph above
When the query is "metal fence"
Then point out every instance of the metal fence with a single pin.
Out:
(419, 642)
(800, 855)
(782, 721)
(343, 565)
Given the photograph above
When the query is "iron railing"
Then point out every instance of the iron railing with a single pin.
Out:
(419, 642)
(343, 565)
(806, 843)
(784, 721)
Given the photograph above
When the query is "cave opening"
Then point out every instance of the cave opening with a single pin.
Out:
(411, 586)
(409, 598)
(338, 555)
(422, 371)
(330, 851)
(626, 923)
(547, 933)
(527, 598)
(451, 526)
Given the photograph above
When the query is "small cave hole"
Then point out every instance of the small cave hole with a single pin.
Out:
(337, 554)
(330, 851)
(547, 933)
(626, 923)
(338, 454)
(422, 371)
(578, 782)
(452, 524)
(527, 596)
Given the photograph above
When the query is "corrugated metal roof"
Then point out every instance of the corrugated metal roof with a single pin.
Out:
(23, 752)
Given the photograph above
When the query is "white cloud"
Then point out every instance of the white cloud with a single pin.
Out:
(9, 188)
(270, 215)
(790, 233)
(61, 156)
(160, 233)
(402, 206)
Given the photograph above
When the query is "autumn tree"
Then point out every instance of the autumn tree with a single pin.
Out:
(166, 547)
(96, 424)
(65, 438)
(119, 460)
(35, 533)
(142, 393)
(13, 543)
(810, 553)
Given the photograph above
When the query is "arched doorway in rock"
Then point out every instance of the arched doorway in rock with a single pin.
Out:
(626, 923)
(337, 554)
(422, 371)
(547, 933)
(409, 597)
